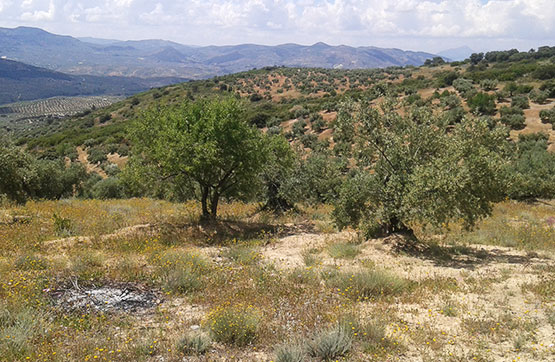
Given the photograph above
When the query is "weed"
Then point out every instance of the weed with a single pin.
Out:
(449, 309)
(194, 344)
(19, 329)
(343, 250)
(236, 325)
(366, 284)
(181, 272)
(30, 262)
(330, 344)
(544, 289)
(290, 352)
(242, 254)
(87, 266)
(62, 226)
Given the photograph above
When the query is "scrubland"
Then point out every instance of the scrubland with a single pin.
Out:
(143, 280)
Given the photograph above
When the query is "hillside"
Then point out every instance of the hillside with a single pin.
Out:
(22, 82)
(157, 58)
(285, 96)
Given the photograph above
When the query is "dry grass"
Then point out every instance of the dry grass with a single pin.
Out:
(257, 282)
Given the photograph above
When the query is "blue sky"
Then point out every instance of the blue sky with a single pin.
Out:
(430, 25)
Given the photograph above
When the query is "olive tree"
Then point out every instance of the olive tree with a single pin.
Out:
(206, 146)
(415, 168)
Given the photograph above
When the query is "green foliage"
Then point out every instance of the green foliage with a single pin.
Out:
(422, 172)
(194, 344)
(278, 174)
(109, 188)
(330, 344)
(482, 103)
(538, 96)
(488, 84)
(520, 101)
(366, 284)
(62, 226)
(235, 325)
(463, 86)
(513, 117)
(22, 176)
(548, 116)
(207, 146)
(533, 169)
(290, 353)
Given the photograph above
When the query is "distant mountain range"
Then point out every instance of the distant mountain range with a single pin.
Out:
(159, 58)
(21, 82)
(460, 53)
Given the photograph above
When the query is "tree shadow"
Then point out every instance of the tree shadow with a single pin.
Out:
(456, 256)
(223, 232)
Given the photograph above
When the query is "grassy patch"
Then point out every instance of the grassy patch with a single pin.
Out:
(343, 250)
(366, 284)
(330, 344)
(235, 325)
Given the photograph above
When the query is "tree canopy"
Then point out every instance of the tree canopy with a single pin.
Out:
(417, 169)
(207, 146)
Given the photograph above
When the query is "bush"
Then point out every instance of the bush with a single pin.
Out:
(343, 250)
(194, 344)
(520, 101)
(366, 284)
(514, 121)
(548, 116)
(181, 272)
(462, 85)
(290, 353)
(330, 344)
(482, 103)
(20, 329)
(538, 96)
(488, 84)
(235, 325)
(109, 188)
(532, 169)
(62, 226)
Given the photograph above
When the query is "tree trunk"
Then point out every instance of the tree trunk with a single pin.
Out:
(214, 204)
(204, 203)
(276, 203)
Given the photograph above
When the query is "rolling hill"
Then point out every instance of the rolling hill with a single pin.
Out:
(22, 82)
(156, 58)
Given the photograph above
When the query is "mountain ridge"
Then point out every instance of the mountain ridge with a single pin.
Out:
(155, 57)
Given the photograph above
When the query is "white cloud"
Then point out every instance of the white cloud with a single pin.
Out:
(364, 22)
(39, 15)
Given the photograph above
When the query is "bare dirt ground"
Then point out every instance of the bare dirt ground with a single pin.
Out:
(469, 303)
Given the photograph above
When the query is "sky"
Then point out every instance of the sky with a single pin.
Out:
(427, 25)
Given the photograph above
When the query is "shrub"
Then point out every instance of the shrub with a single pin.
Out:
(488, 84)
(366, 284)
(109, 188)
(462, 85)
(19, 330)
(520, 101)
(548, 116)
(194, 344)
(62, 226)
(514, 121)
(343, 250)
(330, 344)
(290, 353)
(538, 96)
(181, 272)
(236, 325)
(30, 262)
(482, 103)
